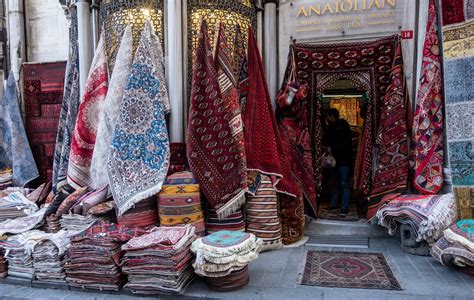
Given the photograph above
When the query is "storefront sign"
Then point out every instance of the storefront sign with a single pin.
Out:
(344, 17)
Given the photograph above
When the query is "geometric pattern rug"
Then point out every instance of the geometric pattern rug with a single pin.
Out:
(348, 270)
(335, 214)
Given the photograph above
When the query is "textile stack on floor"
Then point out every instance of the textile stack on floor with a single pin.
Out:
(16, 205)
(262, 215)
(456, 247)
(3, 264)
(6, 177)
(144, 214)
(49, 257)
(94, 256)
(160, 261)
(179, 202)
(19, 248)
(428, 215)
(222, 258)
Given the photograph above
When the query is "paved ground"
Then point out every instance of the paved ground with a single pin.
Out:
(274, 276)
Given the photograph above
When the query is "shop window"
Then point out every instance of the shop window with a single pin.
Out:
(115, 15)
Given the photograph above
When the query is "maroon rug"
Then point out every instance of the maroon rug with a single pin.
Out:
(348, 270)
(43, 85)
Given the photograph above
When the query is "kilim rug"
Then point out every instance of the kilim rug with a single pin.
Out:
(43, 86)
(85, 130)
(428, 121)
(335, 215)
(15, 152)
(70, 106)
(140, 154)
(111, 110)
(212, 154)
(458, 54)
(348, 270)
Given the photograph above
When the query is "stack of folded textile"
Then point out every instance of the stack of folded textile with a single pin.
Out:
(179, 202)
(23, 224)
(73, 222)
(456, 247)
(223, 258)
(3, 265)
(6, 178)
(262, 215)
(159, 261)
(94, 256)
(49, 257)
(144, 214)
(19, 248)
(51, 224)
(233, 222)
(10, 190)
(16, 205)
(428, 215)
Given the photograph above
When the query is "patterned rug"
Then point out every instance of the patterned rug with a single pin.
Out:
(334, 215)
(428, 120)
(43, 86)
(458, 54)
(348, 270)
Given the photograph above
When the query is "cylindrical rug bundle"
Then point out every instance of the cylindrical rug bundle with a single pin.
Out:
(261, 214)
(179, 202)
(224, 256)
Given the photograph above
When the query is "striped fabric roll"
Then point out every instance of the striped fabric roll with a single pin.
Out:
(233, 222)
(179, 202)
(261, 213)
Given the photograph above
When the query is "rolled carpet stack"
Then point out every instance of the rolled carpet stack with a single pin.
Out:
(94, 256)
(144, 214)
(261, 214)
(223, 257)
(233, 222)
(456, 247)
(428, 215)
(159, 262)
(179, 202)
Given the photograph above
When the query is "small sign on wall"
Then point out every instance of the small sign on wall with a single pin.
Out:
(407, 34)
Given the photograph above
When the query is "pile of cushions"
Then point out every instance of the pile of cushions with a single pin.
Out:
(223, 257)
(49, 257)
(179, 202)
(456, 247)
(16, 205)
(262, 215)
(94, 256)
(428, 215)
(159, 261)
(144, 214)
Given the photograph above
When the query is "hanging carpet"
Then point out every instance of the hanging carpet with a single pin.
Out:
(391, 173)
(15, 152)
(70, 106)
(111, 110)
(140, 153)
(428, 120)
(84, 134)
(43, 86)
(211, 147)
(263, 143)
(367, 65)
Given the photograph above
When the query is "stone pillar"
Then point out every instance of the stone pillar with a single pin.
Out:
(16, 35)
(176, 79)
(95, 23)
(84, 40)
(270, 46)
(259, 29)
